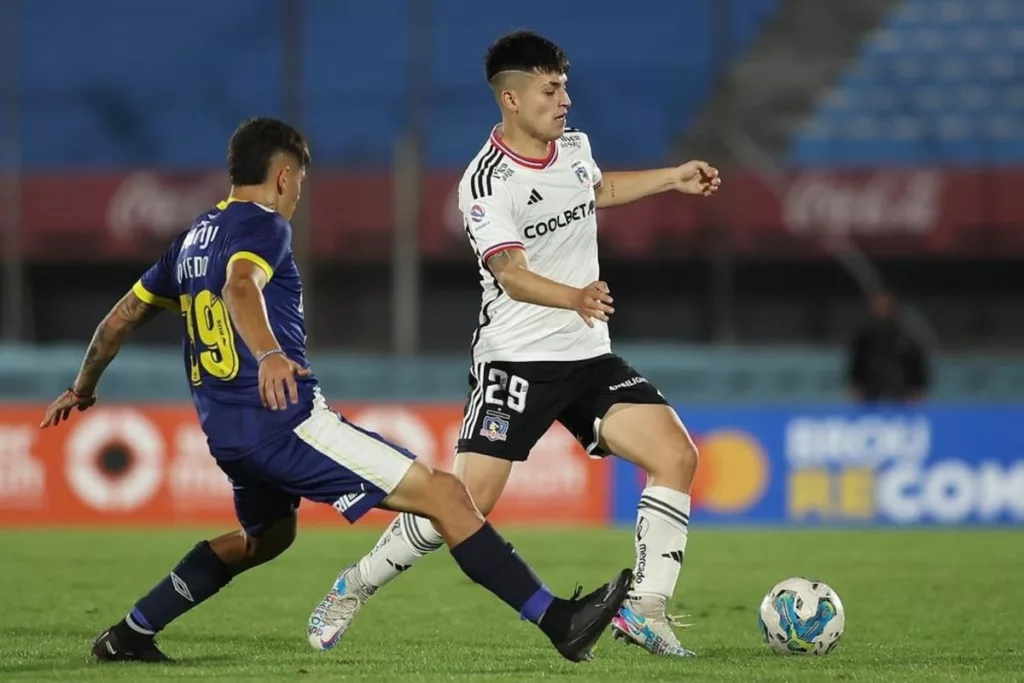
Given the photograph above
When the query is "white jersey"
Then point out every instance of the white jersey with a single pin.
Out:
(547, 207)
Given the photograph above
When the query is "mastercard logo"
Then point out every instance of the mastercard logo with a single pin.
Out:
(733, 472)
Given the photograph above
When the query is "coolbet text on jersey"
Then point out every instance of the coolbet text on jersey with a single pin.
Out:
(547, 207)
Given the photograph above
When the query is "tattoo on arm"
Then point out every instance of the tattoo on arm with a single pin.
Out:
(129, 313)
(605, 192)
(134, 312)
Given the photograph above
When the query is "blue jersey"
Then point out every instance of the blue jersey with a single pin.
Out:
(223, 374)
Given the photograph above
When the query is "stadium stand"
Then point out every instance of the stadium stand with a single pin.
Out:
(938, 84)
(81, 112)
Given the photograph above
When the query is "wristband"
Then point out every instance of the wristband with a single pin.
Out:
(263, 356)
(71, 388)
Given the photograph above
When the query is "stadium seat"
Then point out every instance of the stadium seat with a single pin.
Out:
(939, 81)
(164, 84)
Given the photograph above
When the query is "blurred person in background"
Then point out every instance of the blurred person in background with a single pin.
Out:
(886, 363)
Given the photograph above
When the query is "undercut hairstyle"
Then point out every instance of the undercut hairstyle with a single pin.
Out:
(254, 144)
(524, 51)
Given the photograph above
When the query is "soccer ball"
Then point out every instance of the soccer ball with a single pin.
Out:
(802, 616)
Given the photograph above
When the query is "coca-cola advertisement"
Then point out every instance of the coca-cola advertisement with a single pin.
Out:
(909, 212)
(146, 203)
(886, 203)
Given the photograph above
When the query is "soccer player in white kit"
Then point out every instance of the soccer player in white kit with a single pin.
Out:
(541, 352)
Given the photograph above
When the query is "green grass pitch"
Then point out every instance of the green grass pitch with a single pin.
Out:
(920, 606)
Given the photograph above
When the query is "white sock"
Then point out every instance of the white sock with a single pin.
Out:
(663, 516)
(407, 539)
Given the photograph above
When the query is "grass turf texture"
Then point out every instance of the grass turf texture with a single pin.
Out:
(920, 606)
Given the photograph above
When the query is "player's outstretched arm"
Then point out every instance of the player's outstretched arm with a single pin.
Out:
(243, 295)
(129, 313)
(512, 271)
(693, 177)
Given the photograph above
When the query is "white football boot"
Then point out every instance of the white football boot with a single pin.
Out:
(334, 614)
(642, 621)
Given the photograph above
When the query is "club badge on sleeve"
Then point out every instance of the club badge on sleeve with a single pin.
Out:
(582, 174)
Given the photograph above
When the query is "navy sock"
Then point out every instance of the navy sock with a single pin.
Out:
(492, 562)
(198, 576)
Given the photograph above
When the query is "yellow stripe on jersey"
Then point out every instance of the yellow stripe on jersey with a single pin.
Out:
(254, 258)
(150, 298)
(224, 204)
(231, 200)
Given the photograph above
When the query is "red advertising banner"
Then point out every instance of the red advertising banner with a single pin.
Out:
(149, 465)
(887, 212)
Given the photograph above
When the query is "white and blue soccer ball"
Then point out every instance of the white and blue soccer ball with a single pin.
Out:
(802, 616)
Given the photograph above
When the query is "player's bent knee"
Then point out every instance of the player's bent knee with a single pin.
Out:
(452, 508)
(435, 494)
(451, 491)
(485, 477)
(272, 541)
(484, 503)
(683, 454)
(676, 460)
(483, 494)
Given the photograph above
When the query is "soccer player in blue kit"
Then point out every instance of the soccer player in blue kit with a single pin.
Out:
(234, 281)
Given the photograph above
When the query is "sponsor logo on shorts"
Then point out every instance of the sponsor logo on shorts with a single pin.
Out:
(495, 427)
(628, 383)
(347, 501)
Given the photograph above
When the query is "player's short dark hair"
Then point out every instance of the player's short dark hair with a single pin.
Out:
(255, 142)
(525, 51)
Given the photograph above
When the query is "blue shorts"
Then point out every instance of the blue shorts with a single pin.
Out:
(326, 459)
